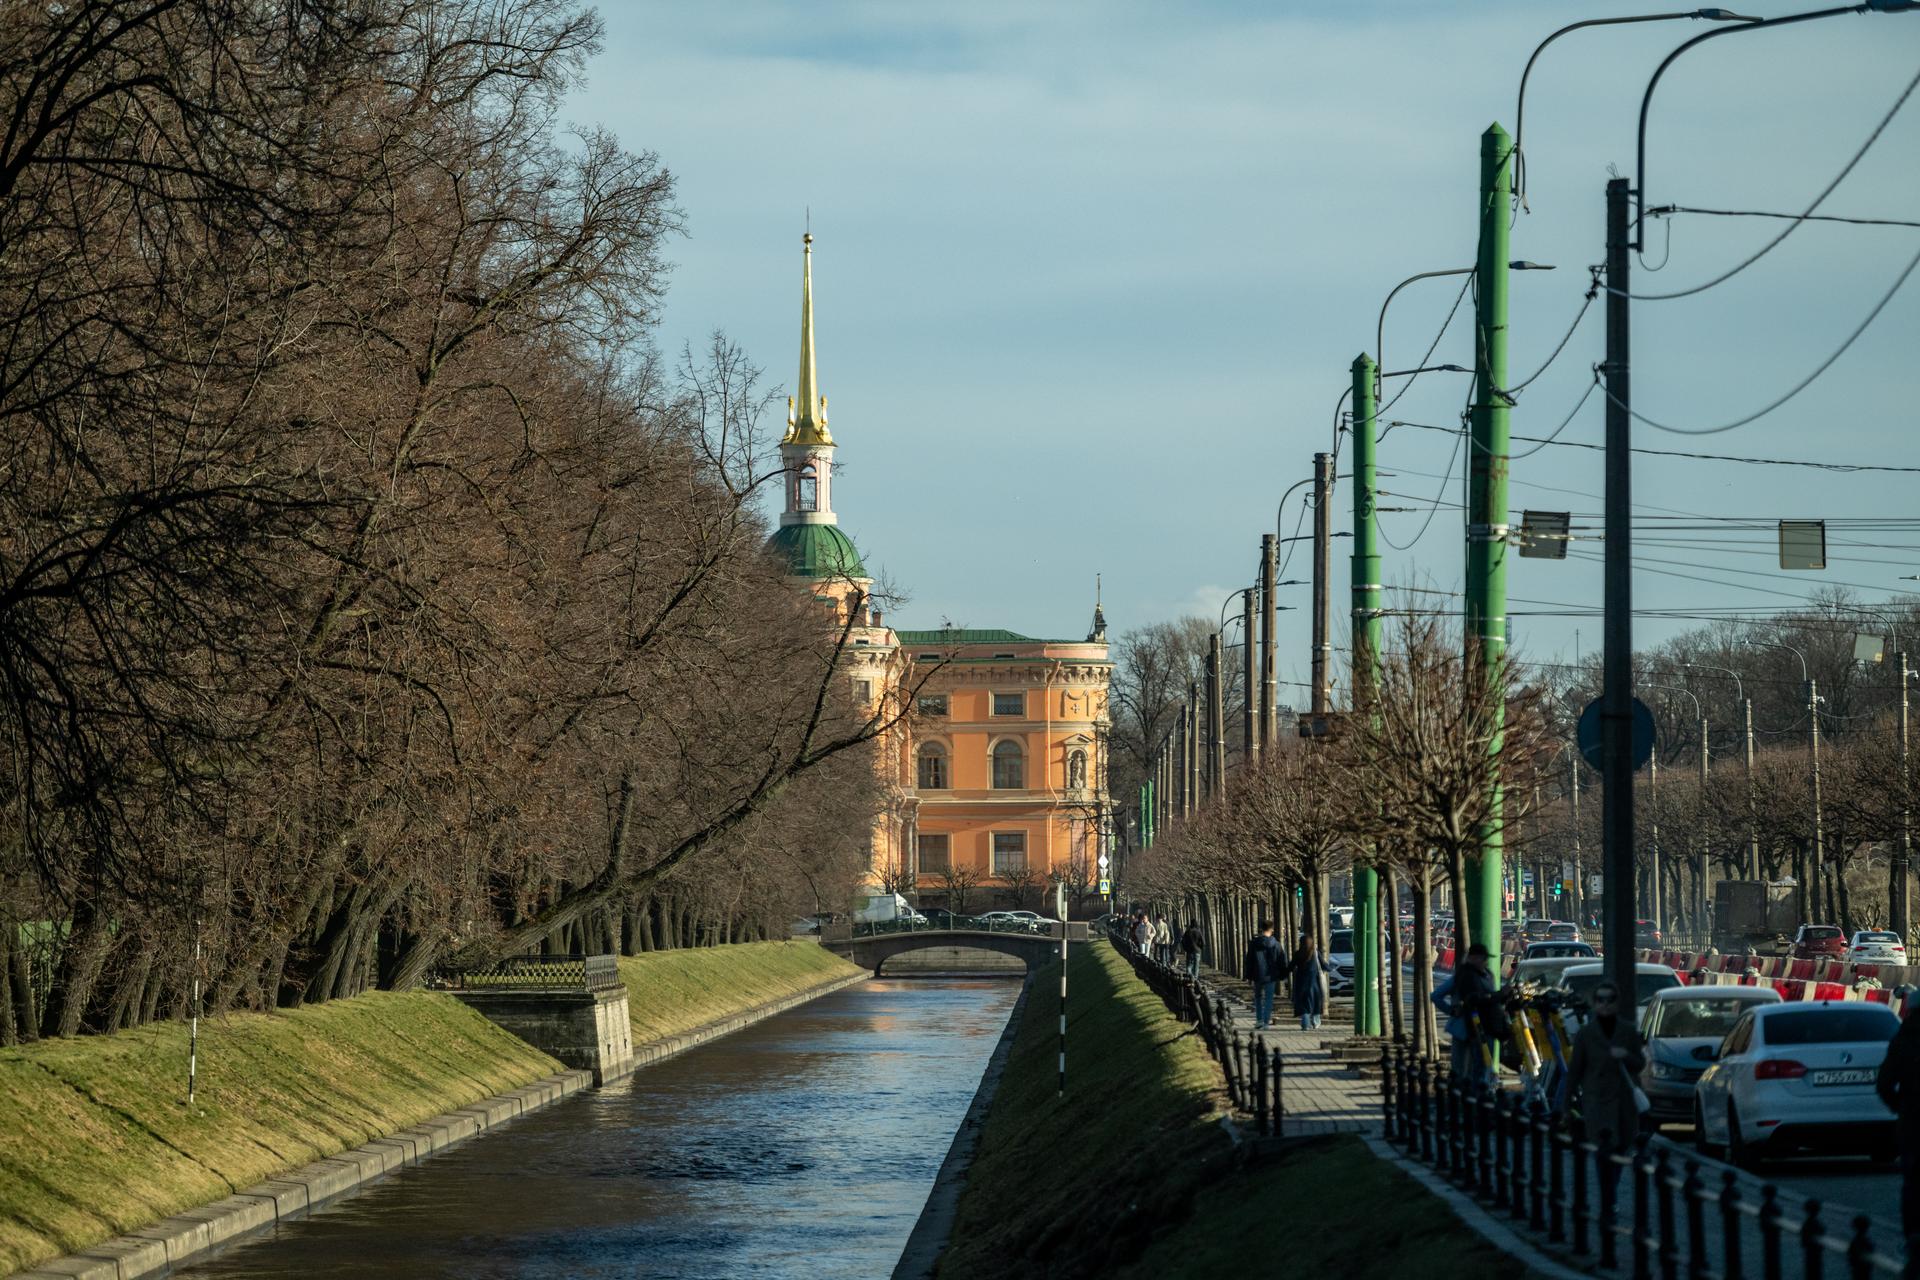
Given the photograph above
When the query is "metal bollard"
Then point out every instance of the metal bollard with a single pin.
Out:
(1770, 1232)
(1694, 1191)
(1730, 1232)
(1812, 1253)
(1860, 1249)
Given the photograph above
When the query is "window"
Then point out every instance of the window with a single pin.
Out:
(1009, 852)
(1009, 766)
(933, 854)
(1009, 704)
(807, 490)
(933, 769)
(863, 690)
(1832, 1024)
(933, 704)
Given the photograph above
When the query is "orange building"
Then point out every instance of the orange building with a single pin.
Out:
(998, 778)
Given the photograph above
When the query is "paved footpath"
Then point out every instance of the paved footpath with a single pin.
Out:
(1319, 1093)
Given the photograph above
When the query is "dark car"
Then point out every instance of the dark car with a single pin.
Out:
(938, 917)
(1646, 933)
(1819, 942)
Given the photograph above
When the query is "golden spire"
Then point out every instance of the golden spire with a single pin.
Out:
(807, 419)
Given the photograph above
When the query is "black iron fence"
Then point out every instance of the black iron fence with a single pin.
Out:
(537, 973)
(1254, 1072)
(1669, 1210)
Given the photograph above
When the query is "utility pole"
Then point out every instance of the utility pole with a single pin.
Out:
(1365, 587)
(1899, 892)
(1704, 869)
(1616, 663)
(1216, 730)
(1269, 689)
(1753, 806)
(1818, 870)
(1322, 572)
(1579, 870)
(1249, 728)
(1486, 577)
(1653, 864)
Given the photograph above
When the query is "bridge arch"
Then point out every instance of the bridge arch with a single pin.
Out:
(872, 951)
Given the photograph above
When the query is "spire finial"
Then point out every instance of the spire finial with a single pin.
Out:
(807, 420)
(1098, 635)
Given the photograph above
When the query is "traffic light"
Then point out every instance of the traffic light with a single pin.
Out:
(1557, 886)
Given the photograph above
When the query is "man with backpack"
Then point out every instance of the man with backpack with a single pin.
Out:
(1266, 965)
(1472, 1009)
(1192, 943)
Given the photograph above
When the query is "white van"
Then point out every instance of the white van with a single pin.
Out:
(878, 907)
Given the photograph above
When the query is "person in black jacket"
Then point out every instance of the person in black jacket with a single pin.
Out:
(1191, 945)
(1266, 964)
(1898, 1085)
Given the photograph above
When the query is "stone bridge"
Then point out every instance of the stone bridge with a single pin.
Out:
(872, 947)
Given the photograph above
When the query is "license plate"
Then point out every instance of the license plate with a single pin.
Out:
(1849, 1075)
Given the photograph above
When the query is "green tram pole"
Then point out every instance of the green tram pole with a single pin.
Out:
(1367, 978)
(1486, 622)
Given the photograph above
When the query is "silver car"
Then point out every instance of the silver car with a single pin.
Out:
(1684, 1027)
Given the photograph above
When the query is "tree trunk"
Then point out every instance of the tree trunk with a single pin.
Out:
(20, 975)
(1390, 907)
(78, 972)
(1457, 891)
(1420, 884)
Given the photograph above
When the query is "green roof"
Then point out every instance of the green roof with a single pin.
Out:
(974, 635)
(816, 551)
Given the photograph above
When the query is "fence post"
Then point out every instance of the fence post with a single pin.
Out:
(1279, 1096)
(1730, 1232)
(1259, 1089)
(1577, 1149)
(1695, 1192)
(1423, 1082)
(1388, 1120)
(1669, 1226)
(1536, 1168)
(1487, 1119)
(1497, 1105)
(1812, 1254)
(1860, 1249)
(1770, 1232)
(1642, 1213)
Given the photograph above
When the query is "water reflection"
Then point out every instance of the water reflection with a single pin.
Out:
(802, 1146)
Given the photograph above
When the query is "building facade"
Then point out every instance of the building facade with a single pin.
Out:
(996, 766)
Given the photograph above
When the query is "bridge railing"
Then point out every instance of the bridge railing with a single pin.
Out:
(1076, 931)
(1677, 1212)
(537, 973)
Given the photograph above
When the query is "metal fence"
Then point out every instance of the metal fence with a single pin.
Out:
(1668, 1209)
(538, 973)
(1254, 1073)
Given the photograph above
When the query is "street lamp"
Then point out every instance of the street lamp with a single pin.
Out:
(1380, 324)
(1815, 869)
(1746, 709)
(1899, 891)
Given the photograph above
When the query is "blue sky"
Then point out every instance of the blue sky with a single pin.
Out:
(1089, 278)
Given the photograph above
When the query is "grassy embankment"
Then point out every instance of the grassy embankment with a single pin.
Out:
(96, 1138)
(1132, 1175)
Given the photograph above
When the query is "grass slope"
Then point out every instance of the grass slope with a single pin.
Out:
(672, 992)
(1132, 1175)
(96, 1137)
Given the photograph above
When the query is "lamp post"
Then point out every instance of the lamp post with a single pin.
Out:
(1900, 862)
(1753, 812)
(1815, 869)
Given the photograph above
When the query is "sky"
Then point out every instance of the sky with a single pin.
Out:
(1089, 279)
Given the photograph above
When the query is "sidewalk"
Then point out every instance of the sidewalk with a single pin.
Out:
(1320, 1094)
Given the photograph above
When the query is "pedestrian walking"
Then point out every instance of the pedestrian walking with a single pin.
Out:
(1143, 934)
(1608, 1056)
(1309, 990)
(1467, 999)
(1265, 965)
(1162, 939)
(1192, 943)
(1899, 1087)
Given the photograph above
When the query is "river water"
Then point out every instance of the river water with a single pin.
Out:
(802, 1146)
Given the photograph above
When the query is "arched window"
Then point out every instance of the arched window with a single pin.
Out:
(807, 495)
(1009, 766)
(933, 768)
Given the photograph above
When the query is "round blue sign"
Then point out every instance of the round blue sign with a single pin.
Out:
(1588, 734)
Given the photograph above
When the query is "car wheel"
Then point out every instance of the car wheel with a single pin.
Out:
(1739, 1150)
(1706, 1148)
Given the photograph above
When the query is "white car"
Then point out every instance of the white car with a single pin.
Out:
(1684, 1028)
(1876, 946)
(1799, 1075)
(1649, 980)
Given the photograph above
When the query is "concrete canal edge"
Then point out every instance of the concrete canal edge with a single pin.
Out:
(171, 1243)
(935, 1225)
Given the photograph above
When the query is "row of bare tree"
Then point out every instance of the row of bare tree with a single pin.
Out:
(372, 595)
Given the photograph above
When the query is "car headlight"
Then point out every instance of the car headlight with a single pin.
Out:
(1667, 1071)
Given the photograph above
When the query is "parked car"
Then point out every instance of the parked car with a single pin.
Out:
(1535, 930)
(1035, 922)
(1684, 1029)
(1555, 949)
(938, 917)
(1563, 931)
(1876, 946)
(1340, 962)
(1819, 942)
(1547, 971)
(1799, 1076)
(1649, 979)
(1646, 933)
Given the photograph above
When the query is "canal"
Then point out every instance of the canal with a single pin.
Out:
(803, 1145)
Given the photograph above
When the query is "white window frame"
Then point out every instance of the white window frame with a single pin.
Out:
(993, 764)
(994, 708)
(933, 750)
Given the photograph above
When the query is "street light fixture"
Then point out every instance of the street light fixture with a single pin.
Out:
(1746, 709)
(1380, 324)
(1815, 872)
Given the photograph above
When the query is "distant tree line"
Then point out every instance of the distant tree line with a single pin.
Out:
(373, 595)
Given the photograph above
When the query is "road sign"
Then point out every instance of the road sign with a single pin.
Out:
(1526, 877)
(1106, 886)
(1105, 862)
(1596, 884)
(1588, 734)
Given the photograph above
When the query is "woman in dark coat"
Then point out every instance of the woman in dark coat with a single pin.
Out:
(1309, 993)
(1608, 1056)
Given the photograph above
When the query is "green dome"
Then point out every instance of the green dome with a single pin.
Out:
(816, 551)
